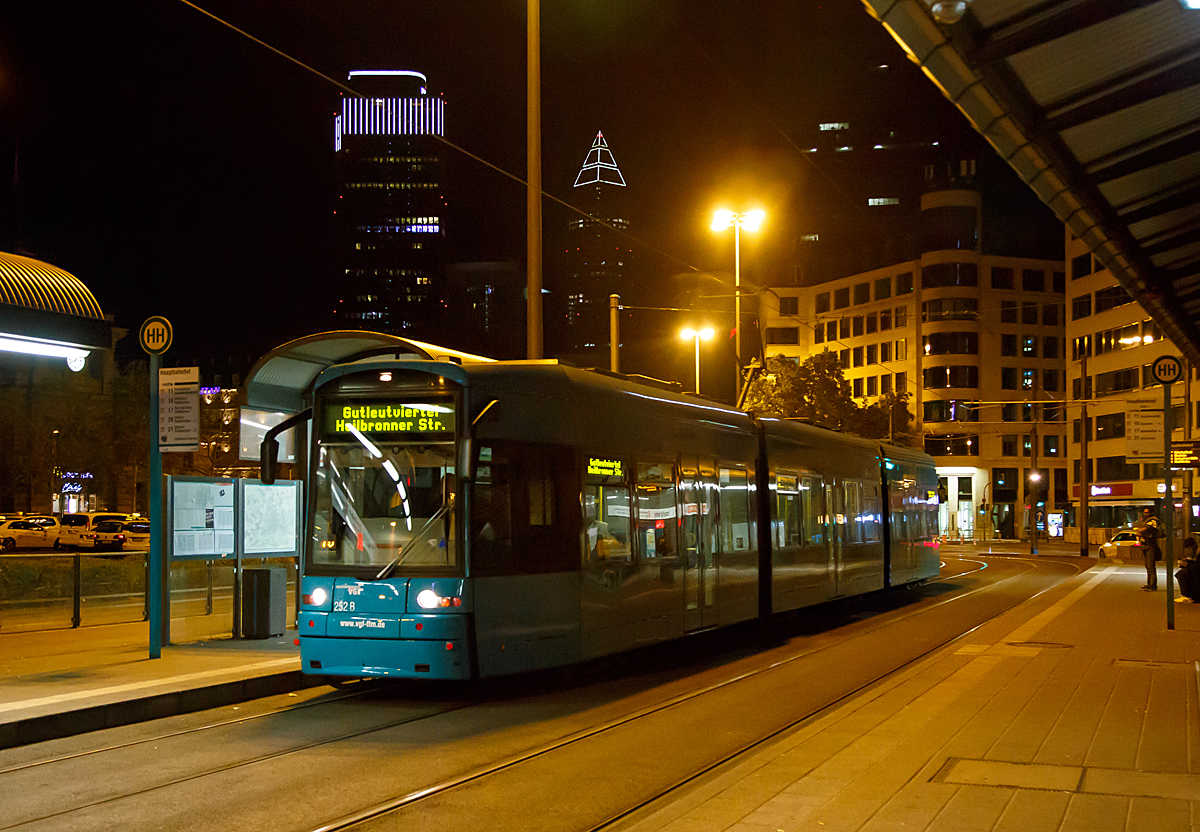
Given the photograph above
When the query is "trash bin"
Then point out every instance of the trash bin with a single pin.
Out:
(264, 602)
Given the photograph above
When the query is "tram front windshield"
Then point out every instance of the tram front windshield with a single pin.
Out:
(385, 506)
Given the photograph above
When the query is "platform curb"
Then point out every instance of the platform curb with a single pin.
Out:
(173, 703)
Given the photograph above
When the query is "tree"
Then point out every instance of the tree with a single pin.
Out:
(815, 390)
(887, 417)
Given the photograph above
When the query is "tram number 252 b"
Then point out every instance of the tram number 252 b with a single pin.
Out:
(343, 606)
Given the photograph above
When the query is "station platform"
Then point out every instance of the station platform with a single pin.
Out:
(1075, 711)
(57, 683)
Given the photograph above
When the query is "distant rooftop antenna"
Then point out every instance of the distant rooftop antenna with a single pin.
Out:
(600, 168)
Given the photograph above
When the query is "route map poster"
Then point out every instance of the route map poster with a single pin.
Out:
(271, 518)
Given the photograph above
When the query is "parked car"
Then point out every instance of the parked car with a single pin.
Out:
(108, 534)
(77, 525)
(1124, 545)
(24, 534)
(50, 523)
(137, 534)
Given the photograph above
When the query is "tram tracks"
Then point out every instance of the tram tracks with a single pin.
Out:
(6, 821)
(370, 818)
(502, 768)
(183, 732)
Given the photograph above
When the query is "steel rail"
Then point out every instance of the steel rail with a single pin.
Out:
(438, 789)
(233, 766)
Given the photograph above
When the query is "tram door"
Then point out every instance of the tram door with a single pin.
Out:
(698, 541)
(835, 523)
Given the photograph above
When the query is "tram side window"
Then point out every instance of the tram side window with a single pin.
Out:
(521, 520)
(491, 516)
(606, 517)
(930, 512)
(735, 513)
(813, 499)
(899, 511)
(871, 516)
(657, 519)
(541, 499)
(854, 521)
(789, 519)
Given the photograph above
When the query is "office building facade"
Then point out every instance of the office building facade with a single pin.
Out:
(976, 340)
(390, 204)
(1116, 401)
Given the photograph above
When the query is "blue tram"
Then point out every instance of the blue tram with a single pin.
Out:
(480, 519)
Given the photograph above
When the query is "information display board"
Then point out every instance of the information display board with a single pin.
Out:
(1143, 429)
(271, 518)
(179, 409)
(217, 518)
(201, 516)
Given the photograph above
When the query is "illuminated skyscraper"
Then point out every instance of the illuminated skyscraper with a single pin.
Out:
(597, 257)
(391, 174)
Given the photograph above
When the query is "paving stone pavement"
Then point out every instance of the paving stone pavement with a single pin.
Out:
(1076, 711)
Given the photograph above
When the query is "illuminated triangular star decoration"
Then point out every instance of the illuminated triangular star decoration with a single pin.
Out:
(600, 167)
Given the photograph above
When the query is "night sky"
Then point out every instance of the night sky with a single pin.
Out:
(179, 168)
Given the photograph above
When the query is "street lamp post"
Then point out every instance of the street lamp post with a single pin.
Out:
(54, 478)
(751, 221)
(696, 335)
(533, 175)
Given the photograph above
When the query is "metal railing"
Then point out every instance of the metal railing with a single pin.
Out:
(71, 590)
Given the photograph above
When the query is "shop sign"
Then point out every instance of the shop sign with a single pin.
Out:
(1106, 489)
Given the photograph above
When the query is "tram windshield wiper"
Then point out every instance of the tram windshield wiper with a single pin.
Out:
(387, 570)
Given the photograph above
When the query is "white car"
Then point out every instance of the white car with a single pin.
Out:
(77, 527)
(137, 534)
(107, 534)
(50, 523)
(25, 534)
(1125, 545)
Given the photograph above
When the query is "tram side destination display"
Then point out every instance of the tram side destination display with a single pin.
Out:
(392, 419)
(202, 518)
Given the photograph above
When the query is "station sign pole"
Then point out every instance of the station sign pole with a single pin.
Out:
(1165, 370)
(155, 337)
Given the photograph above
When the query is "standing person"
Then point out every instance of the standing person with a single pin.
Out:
(1150, 531)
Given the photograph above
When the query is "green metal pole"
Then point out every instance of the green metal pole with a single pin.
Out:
(1169, 514)
(154, 593)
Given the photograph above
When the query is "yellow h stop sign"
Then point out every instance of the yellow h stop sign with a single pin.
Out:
(155, 335)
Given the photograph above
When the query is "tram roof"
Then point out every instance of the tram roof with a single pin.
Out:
(280, 380)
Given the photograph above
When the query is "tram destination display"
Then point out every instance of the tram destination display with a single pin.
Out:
(388, 419)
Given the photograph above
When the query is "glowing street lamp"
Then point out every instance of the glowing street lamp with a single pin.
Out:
(751, 221)
(696, 334)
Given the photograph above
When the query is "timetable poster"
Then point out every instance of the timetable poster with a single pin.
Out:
(202, 519)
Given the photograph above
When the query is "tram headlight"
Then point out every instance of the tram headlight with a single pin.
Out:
(316, 598)
(427, 599)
